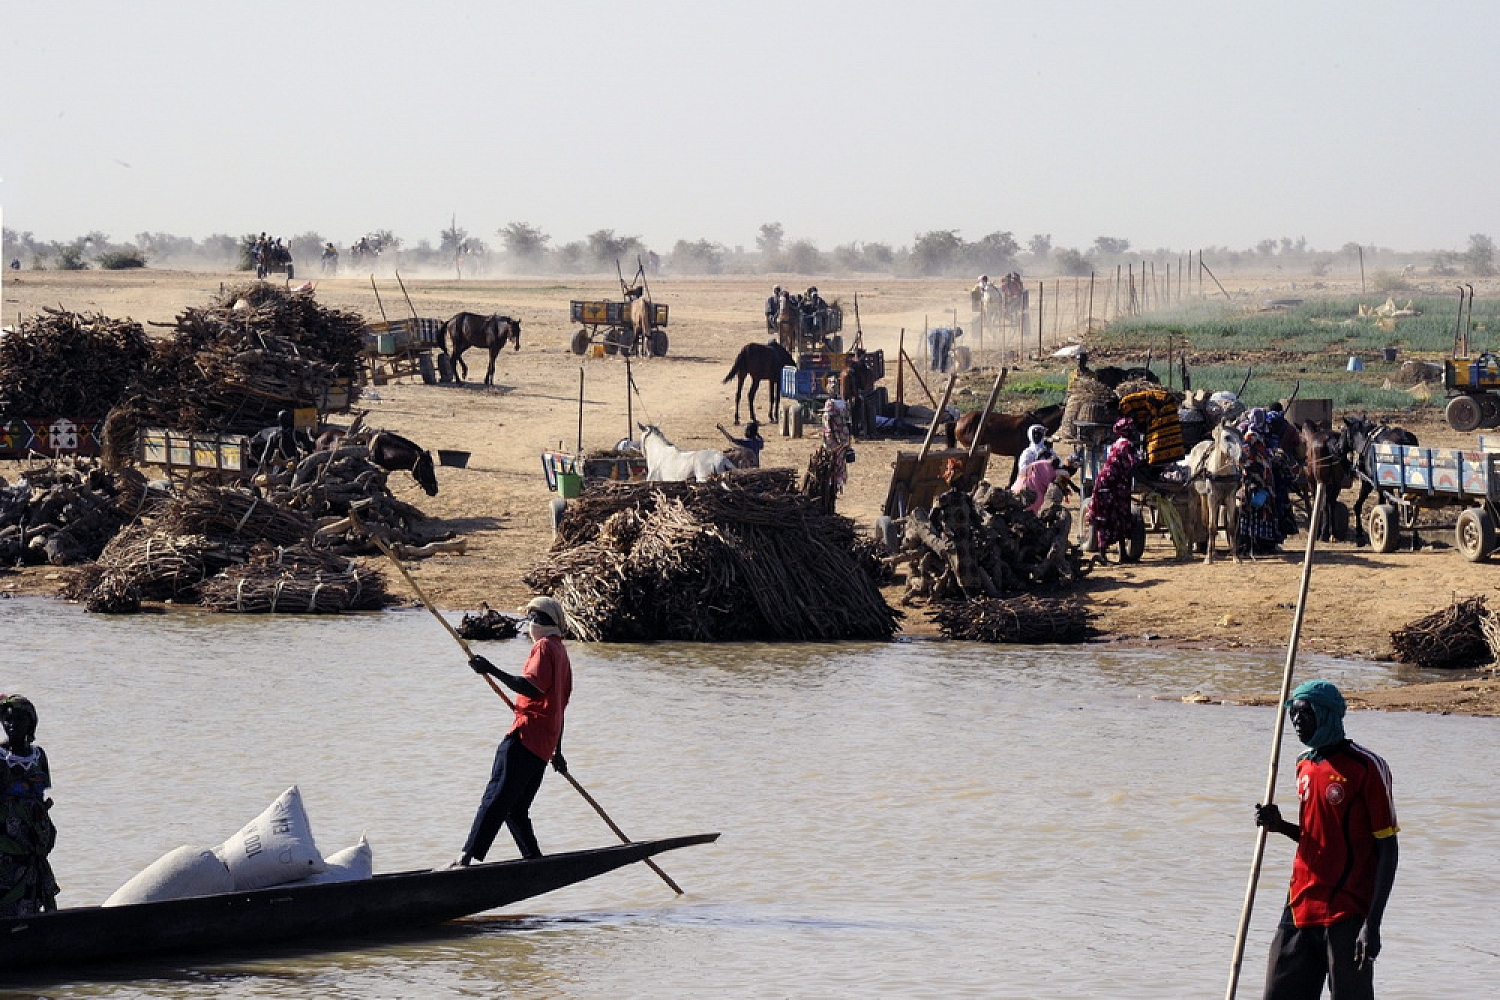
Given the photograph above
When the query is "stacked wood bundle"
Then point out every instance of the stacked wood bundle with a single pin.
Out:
(489, 624)
(717, 561)
(1089, 401)
(64, 512)
(65, 364)
(295, 580)
(327, 486)
(1026, 619)
(232, 366)
(1463, 635)
(999, 547)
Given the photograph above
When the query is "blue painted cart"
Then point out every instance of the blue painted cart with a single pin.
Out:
(1410, 479)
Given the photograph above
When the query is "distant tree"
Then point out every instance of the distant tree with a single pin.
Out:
(879, 256)
(306, 246)
(770, 238)
(605, 248)
(995, 252)
(524, 242)
(938, 251)
(1321, 265)
(701, 257)
(1109, 246)
(571, 257)
(221, 248)
(452, 239)
(1265, 247)
(1479, 259)
(1071, 263)
(70, 257)
(1445, 263)
(1351, 250)
(803, 257)
(1040, 247)
(122, 260)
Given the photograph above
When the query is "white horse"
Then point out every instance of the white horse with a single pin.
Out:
(1215, 465)
(667, 463)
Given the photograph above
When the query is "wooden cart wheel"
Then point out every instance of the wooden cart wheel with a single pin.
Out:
(657, 343)
(1463, 413)
(559, 507)
(1489, 410)
(1383, 528)
(886, 533)
(796, 421)
(836, 344)
(611, 345)
(786, 421)
(580, 342)
(1475, 534)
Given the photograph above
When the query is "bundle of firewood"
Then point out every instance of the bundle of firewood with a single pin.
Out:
(489, 624)
(1005, 549)
(64, 364)
(711, 561)
(1464, 634)
(63, 512)
(299, 579)
(1024, 619)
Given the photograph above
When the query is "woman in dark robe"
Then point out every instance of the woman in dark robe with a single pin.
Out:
(1109, 505)
(26, 830)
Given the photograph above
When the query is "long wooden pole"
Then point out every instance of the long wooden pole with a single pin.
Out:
(468, 653)
(930, 397)
(1286, 692)
(989, 405)
(900, 376)
(580, 411)
(937, 417)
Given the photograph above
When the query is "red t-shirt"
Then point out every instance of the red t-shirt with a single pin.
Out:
(1346, 807)
(539, 721)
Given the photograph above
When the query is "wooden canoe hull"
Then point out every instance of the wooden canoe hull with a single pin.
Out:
(302, 914)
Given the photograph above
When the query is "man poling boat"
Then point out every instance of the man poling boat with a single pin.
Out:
(535, 737)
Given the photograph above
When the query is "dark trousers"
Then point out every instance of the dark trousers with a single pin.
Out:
(514, 780)
(1302, 957)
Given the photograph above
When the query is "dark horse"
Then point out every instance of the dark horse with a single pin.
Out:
(1326, 464)
(389, 451)
(467, 330)
(760, 363)
(392, 451)
(1005, 433)
(1359, 438)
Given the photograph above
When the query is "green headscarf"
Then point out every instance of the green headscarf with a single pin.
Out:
(1329, 707)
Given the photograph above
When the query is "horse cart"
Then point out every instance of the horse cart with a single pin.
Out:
(217, 458)
(401, 348)
(819, 375)
(1410, 479)
(569, 474)
(820, 331)
(273, 258)
(606, 327)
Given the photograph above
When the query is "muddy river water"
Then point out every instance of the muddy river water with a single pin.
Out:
(921, 819)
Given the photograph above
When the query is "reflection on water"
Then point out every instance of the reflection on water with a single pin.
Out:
(920, 818)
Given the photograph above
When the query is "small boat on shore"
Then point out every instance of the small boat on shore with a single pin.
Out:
(301, 914)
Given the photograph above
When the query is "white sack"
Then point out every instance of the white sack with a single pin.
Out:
(187, 871)
(274, 847)
(352, 864)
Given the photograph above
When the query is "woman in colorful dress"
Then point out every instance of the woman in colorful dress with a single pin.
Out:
(26, 830)
(1260, 517)
(1109, 505)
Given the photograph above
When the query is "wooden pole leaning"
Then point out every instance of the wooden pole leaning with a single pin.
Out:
(989, 406)
(1271, 770)
(495, 686)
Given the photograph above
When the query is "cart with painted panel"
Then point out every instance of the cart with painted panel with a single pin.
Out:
(1410, 479)
(604, 328)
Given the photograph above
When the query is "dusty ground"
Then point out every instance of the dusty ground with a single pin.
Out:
(500, 501)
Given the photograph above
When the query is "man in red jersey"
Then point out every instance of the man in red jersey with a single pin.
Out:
(535, 737)
(1346, 857)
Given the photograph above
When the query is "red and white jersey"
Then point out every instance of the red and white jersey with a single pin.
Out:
(1346, 806)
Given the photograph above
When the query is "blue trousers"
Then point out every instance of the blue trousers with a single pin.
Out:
(514, 780)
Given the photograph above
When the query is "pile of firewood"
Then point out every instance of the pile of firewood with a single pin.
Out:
(1010, 549)
(744, 557)
(1026, 619)
(64, 512)
(1463, 635)
(64, 364)
(231, 367)
(489, 624)
(300, 579)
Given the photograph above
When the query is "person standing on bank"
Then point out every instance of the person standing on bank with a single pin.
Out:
(1346, 857)
(535, 737)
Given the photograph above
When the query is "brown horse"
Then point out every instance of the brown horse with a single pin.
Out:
(1005, 433)
(759, 363)
(467, 330)
(789, 322)
(1325, 463)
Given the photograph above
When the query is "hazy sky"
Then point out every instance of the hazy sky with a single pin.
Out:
(1171, 124)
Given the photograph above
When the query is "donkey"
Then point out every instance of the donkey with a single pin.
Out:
(667, 463)
(1325, 464)
(759, 363)
(1216, 476)
(466, 330)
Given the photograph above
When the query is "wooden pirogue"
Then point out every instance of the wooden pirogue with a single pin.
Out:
(337, 911)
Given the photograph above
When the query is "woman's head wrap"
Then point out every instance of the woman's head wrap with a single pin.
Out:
(1036, 433)
(1125, 427)
(1328, 706)
(22, 710)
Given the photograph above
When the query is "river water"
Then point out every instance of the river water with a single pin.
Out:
(924, 818)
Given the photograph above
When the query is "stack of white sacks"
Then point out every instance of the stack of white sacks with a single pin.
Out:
(274, 848)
